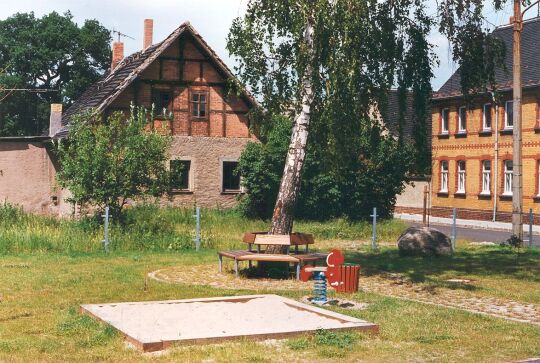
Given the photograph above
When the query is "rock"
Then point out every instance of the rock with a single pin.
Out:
(424, 241)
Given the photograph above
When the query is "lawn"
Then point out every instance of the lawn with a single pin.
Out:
(48, 268)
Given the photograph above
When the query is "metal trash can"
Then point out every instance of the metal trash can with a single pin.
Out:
(348, 276)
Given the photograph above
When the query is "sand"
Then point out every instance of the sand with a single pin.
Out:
(218, 318)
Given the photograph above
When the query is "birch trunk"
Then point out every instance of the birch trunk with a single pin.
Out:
(282, 219)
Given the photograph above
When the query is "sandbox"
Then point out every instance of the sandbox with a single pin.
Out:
(157, 325)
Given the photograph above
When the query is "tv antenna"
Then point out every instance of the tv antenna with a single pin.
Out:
(120, 34)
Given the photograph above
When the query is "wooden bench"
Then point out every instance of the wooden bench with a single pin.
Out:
(259, 239)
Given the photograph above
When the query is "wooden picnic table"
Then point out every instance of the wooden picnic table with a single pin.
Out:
(259, 239)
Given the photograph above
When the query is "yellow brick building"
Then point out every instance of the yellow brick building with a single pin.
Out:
(472, 143)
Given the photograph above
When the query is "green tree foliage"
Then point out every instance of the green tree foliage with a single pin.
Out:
(261, 165)
(51, 52)
(108, 163)
(329, 187)
(361, 50)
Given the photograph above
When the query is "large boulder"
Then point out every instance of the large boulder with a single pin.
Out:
(424, 241)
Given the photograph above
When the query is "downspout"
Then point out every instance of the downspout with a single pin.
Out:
(496, 166)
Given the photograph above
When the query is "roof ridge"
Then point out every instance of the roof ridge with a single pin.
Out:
(509, 25)
(503, 80)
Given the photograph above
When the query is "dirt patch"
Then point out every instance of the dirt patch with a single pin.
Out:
(209, 276)
(394, 285)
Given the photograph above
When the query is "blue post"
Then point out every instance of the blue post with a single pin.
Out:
(531, 221)
(197, 229)
(454, 231)
(374, 236)
(106, 240)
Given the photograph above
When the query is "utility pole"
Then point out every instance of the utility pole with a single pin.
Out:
(517, 159)
(517, 175)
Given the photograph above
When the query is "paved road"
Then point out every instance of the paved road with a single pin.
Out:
(478, 235)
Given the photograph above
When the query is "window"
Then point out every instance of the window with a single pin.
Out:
(461, 177)
(509, 115)
(444, 177)
(444, 120)
(231, 179)
(199, 103)
(487, 117)
(486, 177)
(538, 176)
(462, 124)
(508, 169)
(162, 102)
(180, 174)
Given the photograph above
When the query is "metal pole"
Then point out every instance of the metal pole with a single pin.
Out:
(197, 229)
(517, 182)
(374, 236)
(496, 166)
(106, 240)
(531, 221)
(430, 186)
(424, 212)
(454, 231)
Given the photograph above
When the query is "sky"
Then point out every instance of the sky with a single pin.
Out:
(211, 18)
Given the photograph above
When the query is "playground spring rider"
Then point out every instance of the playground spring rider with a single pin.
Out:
(332, 273)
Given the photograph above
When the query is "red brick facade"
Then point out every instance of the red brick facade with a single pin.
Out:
(476, 145)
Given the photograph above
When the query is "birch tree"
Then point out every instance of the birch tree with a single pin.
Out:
(335, 60)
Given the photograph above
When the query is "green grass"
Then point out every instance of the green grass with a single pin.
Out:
(149, 228)
(41, 294)
(495, 271)
(49, 267)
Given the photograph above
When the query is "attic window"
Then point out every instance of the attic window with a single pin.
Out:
(162, 101)
(199, 104)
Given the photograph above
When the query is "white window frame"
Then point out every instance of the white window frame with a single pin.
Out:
(444, 177)
(508, 177)
(190, 175)
(486, 177)
(445, 119)
(484, 113)
(506, 109)
(462, 121)
(462, 177)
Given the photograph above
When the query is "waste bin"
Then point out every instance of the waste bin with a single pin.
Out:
(348, 276)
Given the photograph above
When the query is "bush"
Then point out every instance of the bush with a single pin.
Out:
(514, 242)
(113, 161)
(335, 183)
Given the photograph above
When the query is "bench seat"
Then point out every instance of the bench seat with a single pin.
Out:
(298, 260)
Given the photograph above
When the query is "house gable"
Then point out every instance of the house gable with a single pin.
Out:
(180, 66)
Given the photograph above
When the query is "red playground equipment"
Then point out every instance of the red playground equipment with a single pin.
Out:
(343, 278)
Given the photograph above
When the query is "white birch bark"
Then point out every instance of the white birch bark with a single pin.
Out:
(282, 220)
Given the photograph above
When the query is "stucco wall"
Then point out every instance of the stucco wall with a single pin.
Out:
(413, 195)
(206, 155)
(27, 178)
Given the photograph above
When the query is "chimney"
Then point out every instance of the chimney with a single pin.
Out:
(55, 120)
(117, 54)
(148, 32)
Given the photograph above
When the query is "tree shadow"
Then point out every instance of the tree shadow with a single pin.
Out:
(493, 262)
